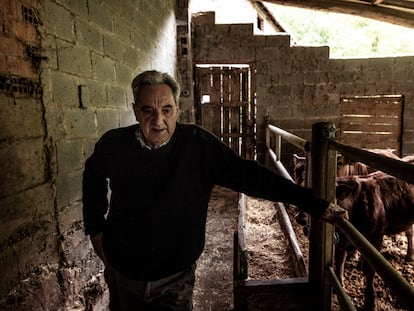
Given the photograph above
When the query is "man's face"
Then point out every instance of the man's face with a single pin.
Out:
(157, 113)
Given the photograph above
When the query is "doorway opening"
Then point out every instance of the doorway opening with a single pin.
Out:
(225, 104)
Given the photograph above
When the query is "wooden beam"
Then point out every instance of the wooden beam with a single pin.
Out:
(397, 12)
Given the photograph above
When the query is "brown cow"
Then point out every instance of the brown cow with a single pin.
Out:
(378, 204)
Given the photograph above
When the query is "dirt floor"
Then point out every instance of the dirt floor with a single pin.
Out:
(268, 257)
(213, 290)
(394, 250)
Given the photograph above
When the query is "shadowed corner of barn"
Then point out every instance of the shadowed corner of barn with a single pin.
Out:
(65, 74)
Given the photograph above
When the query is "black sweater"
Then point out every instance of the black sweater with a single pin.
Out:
(155, 226)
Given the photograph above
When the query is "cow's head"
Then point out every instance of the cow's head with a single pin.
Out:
(299, 170)
(348, 190)
(347, 167)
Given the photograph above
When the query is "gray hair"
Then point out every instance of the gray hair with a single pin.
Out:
(152, 78)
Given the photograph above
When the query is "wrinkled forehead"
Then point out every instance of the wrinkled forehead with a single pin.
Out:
(151, 94)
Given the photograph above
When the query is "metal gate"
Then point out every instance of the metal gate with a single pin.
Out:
(224, 105)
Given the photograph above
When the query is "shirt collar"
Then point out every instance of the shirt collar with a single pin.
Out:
(141, 140)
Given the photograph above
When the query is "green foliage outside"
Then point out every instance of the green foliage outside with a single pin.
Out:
(346, 35)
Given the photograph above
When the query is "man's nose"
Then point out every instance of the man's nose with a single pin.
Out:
(158, 118)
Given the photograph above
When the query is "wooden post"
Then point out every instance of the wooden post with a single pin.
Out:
(321, 233)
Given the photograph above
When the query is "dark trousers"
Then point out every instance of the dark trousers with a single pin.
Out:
(174, 293)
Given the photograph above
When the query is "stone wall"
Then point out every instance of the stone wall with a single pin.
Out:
(297, 86)
(66, 68)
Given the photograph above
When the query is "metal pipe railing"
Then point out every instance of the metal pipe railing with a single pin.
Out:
(293, 139)
(240, 261)
(285, 221)
(279, 166)
(343, 297)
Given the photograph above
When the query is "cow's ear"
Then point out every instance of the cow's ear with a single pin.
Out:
(344, 190)
(361, 169)
(296, 159)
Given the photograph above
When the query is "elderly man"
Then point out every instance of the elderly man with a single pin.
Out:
(161, 174)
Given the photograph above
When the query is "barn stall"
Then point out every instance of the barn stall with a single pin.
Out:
(258, 281)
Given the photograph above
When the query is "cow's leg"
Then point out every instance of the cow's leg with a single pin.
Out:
(303, 220)
(369, 294)
(410, 239)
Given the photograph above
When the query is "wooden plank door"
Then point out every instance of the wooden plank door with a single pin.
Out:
(224, 105)
(372, 122)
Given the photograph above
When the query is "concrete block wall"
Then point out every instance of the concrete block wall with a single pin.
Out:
(84, 55)
(297, 86)
(28, 237)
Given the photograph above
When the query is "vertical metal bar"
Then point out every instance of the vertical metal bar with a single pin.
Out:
(321, 233)
(278, 146)
(267, 137)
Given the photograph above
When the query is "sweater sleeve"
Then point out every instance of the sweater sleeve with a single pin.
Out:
(94, 192)
(254, 179)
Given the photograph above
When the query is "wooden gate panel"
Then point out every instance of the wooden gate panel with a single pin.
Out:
(203, 91)
(249, 111)
(210, 93)
(372, 122)
(227, 111)
(215, 100)
(235, 121)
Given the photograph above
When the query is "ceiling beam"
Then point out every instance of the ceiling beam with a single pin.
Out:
(399, 12)
(268, 16)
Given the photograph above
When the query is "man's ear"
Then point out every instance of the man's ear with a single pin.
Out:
(135, 108)
(178, 110)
